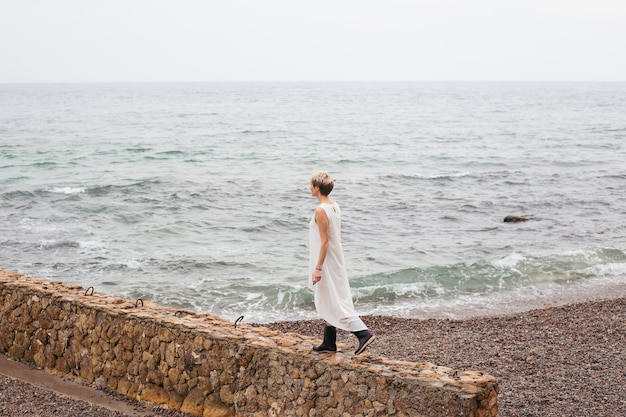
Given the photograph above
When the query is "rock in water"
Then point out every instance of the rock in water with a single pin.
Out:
(514, 219)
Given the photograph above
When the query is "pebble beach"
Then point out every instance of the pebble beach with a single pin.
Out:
(552, 362)
(557, 361)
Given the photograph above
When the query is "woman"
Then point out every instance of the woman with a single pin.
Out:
(333, 299)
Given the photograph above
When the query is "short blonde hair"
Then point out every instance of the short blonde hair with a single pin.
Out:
(324, 181)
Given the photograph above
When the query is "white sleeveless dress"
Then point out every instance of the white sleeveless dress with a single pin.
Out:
(333, 298)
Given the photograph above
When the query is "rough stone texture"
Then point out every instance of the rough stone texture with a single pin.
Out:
(204, 365)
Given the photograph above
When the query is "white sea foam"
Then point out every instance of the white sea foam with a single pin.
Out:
(538, 295)
(608, 269)
(442, 175)
(66, 190)
(510, 261)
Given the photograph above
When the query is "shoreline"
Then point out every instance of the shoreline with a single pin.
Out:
(583, 292)
(549, 362)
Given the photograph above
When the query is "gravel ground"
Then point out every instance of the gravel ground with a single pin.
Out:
(19, 398)
(553, 362)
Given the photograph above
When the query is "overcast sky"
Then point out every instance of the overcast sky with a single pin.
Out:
(291, 40)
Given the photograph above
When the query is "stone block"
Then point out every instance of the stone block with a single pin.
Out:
(154, 394)
(62, 366)
(123, 386)
(213, 407)
(155, 377)
(174, 375)
(194, 402)
(176, 401)
(165, 334)
(226, 395)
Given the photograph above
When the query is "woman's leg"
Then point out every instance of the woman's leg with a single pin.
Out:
(330, 340)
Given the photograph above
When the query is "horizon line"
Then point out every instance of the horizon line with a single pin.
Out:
(306, 81)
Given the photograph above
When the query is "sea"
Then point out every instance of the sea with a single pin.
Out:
(196, 195)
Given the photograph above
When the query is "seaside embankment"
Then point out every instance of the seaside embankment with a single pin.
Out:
(208, 366)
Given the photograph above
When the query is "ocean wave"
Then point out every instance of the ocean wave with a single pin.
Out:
(172, 152)
(275, 225)
(66, 190)
(614, 176)
(509, 261)
(138, 150)
(256, 132)
(46, 164)
(612, 146)
(513, 271)
(444, 176)
(439, 176)
(198, 114)
(58, 244)
(104, 190)
(608, 269)
(18, 194)
(518, 282)
(538, 295)
(256, 303)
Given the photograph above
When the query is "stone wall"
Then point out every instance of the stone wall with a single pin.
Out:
(207, 366)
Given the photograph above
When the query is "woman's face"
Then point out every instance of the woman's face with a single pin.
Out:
(314, 190)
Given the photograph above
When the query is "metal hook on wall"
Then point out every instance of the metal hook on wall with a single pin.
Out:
(239, 320)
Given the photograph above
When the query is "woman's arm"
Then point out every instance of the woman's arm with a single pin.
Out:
(322, 223)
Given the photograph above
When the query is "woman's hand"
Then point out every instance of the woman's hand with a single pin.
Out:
(317, 276)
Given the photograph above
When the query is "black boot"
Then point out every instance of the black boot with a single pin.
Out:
(329, 343)
(365, 338)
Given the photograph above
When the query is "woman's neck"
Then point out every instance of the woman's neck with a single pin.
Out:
(324, 199)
